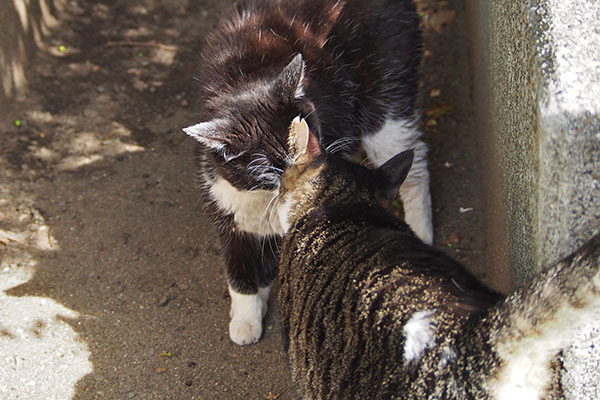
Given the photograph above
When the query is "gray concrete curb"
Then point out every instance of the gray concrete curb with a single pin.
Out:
(537, 84)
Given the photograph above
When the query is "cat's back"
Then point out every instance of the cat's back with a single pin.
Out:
(364, 277)
(361, 61)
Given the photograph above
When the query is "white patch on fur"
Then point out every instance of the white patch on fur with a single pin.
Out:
(526, 373)
(419, 332)
(395, 137)
(254, 211)
(247, 312)
(283, 210)
(448, 357)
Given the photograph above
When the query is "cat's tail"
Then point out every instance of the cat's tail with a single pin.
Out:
(527, 330)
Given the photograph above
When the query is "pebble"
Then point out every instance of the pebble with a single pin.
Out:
(454, 238)
(127, 389)
(164, 300)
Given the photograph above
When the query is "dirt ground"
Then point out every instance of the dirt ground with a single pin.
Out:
(109, 269)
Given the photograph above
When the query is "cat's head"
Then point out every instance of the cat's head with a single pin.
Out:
(315, 178)
(247, 133)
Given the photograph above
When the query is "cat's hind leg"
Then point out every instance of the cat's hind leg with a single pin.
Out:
(396, 136)
(540, 319)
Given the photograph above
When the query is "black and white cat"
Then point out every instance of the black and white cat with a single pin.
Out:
(350, 68)
(369, 311)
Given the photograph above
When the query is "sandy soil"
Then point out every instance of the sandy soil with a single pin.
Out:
(111, 274)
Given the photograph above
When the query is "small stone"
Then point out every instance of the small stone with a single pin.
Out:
(126, 390)
(454, 238)
(188, 382)
(164, 300)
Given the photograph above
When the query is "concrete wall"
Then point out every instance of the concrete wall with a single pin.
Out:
(23, 25)
(537, 90)
(505, 95)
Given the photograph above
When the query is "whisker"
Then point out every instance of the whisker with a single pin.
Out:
(308, 115)
(340, 143)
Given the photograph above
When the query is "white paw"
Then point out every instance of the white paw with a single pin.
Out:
(247, 312)
(244, 332)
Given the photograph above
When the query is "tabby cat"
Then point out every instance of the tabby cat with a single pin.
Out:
(369, 311)
(350, 68)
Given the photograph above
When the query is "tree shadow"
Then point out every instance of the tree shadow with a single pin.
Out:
(24, 27)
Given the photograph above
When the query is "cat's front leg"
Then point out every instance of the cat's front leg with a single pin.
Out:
(247, 312)
(251, 265)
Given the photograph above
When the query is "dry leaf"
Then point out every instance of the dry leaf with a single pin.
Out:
(440, 18)
(435, 93)
(439, 109)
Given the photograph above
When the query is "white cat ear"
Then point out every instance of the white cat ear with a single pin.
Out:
(303, 143)
(210, 134)
(292, 76)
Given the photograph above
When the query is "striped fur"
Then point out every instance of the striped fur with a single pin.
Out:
(371, 312)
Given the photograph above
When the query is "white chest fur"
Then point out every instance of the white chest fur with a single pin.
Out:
(254, 211)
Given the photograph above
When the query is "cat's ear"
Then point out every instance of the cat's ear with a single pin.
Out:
(210, 134)
(291, 78)
(304, 145)
(395, 171)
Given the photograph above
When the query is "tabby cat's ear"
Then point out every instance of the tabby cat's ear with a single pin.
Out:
(210, 134)
(303, 144)
(290, 79)
(395, 171)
